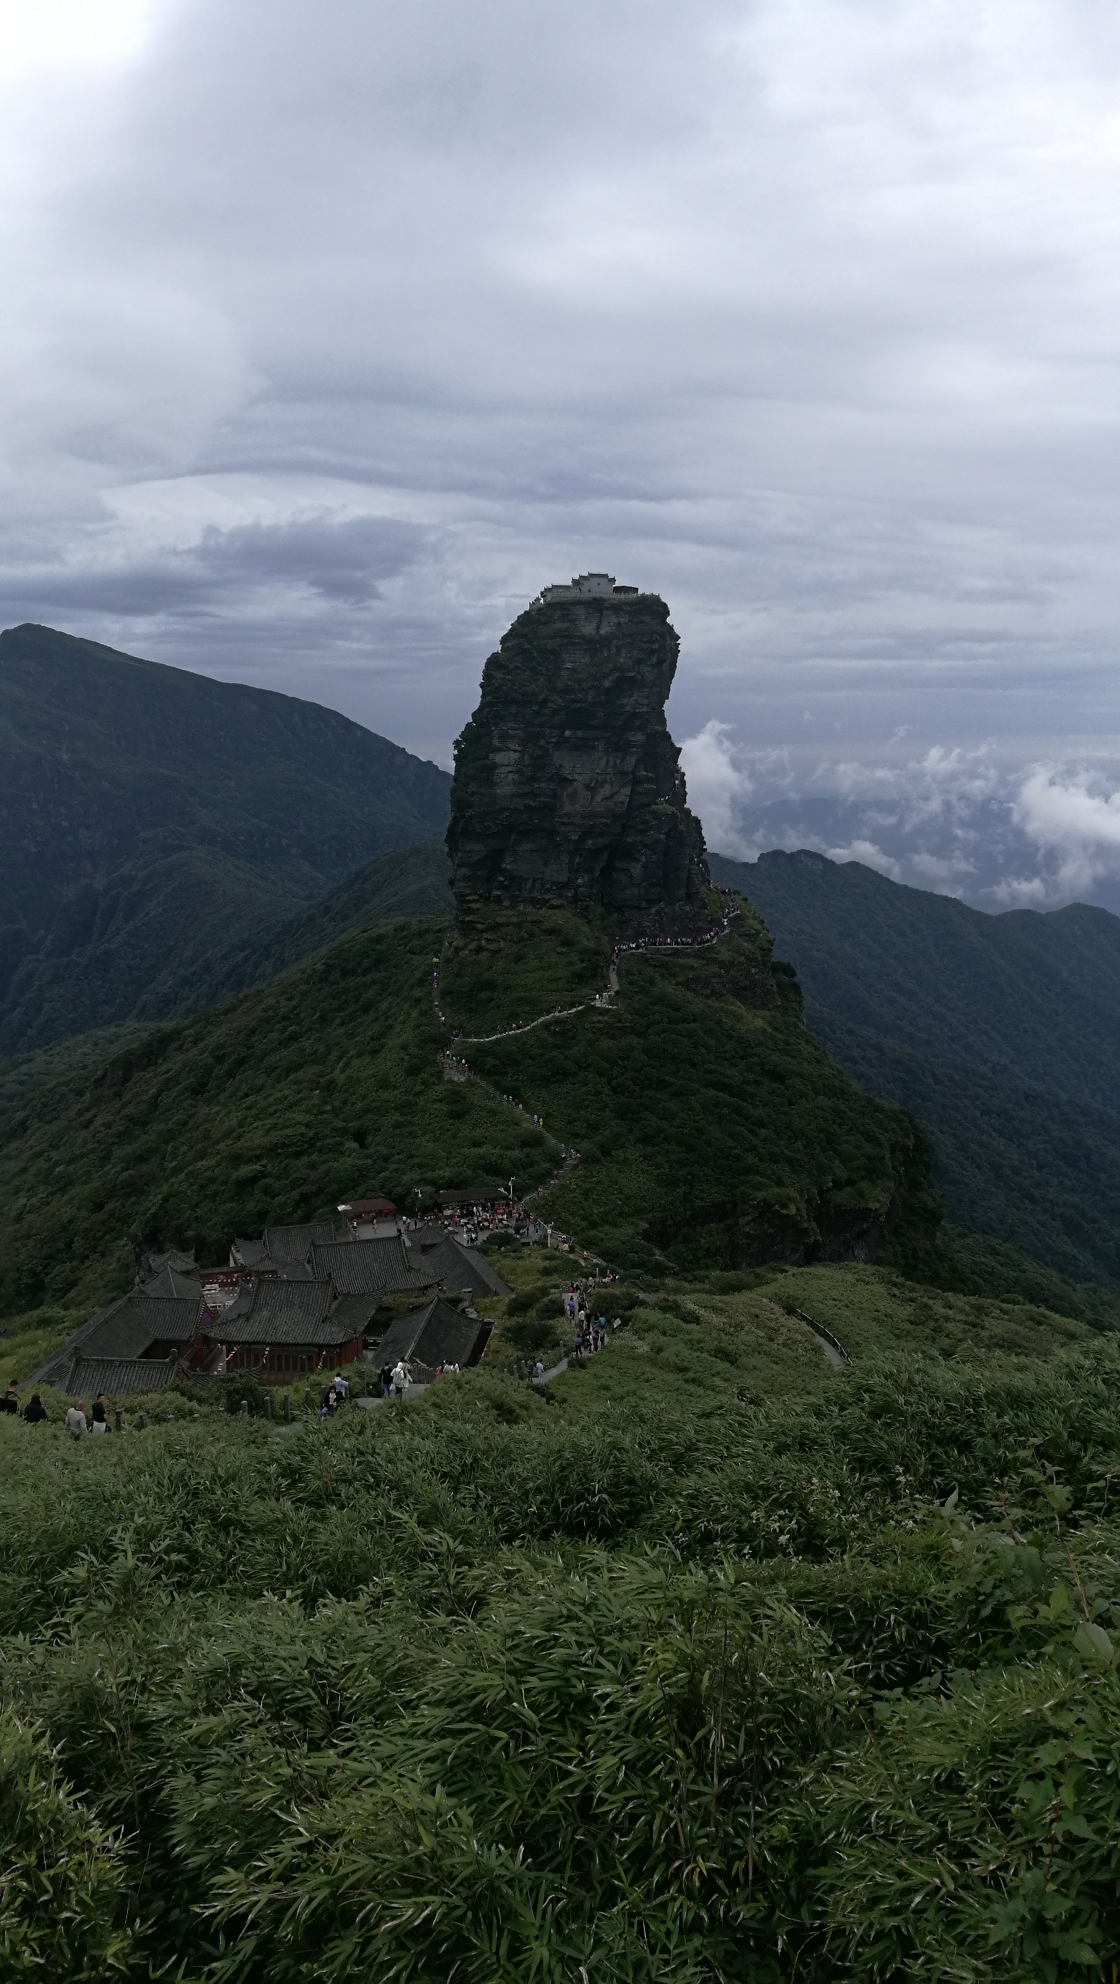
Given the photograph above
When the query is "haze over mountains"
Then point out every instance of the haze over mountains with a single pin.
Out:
(153, 820)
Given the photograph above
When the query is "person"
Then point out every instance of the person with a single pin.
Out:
(342, 1386)
(330, 1405)
(34, 1410)
(10, 1400)
(76, 1420)
(539, 1372)
(98, 1416)
(386, 1376)
(400, 1378)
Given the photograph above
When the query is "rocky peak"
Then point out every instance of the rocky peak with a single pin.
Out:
(568, 786)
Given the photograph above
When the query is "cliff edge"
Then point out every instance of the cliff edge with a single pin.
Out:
(568, 787)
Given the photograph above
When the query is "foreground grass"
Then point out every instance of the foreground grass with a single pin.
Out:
(711, 1661)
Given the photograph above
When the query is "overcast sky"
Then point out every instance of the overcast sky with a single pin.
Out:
(332, 331)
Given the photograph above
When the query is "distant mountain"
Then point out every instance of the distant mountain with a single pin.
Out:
(154, 823)
(1001, 1033)
(411, 881)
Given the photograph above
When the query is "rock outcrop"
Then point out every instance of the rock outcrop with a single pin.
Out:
(568, 786)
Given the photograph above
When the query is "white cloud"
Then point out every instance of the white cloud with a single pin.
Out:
(716, 785)
(870, 855)
(1076, 825)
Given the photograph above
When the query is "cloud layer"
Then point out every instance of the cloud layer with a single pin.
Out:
(333, 332)
(959, 822)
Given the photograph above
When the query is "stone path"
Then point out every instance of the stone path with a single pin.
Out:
(660, 946)
(831, 1345)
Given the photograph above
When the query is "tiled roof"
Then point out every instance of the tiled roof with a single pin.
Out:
(248, 1253)
(361, 1267)
(436, 1334)
(284, 1312)
(461, 1267)
(474, 1195)
(354, 1313)
(294, 1243)
(118, 1375)
(169, 1281)
(124, 1330)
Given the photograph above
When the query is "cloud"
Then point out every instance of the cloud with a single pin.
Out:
(801, 314)
(1075, 825)
(957, 822)
(716, 785)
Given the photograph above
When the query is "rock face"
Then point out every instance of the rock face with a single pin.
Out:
(568, 786)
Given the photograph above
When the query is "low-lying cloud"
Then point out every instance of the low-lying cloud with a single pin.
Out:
(958, 822)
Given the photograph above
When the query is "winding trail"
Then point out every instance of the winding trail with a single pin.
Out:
(602, 1002)
(659, 946)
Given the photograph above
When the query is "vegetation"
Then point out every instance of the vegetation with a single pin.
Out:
(710, 1131)
(1000, 1033)
(710, 1661)
(275, 1107)
(711, 1127)
(157, 822)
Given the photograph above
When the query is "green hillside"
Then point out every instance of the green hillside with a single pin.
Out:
(154, 823)
(1001, 1033)
(711, 1127)
(708, 1662)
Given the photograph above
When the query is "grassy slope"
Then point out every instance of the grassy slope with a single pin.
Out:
(1002, 1034)
(497, 1665)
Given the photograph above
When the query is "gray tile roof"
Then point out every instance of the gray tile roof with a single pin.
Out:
(288, 1312)
(169, 1281)
(118, 1375)
(436, 1334)
(367, 1267)
(354, 1313)
(459, 1267)
(294, 1243)
(124, 1329)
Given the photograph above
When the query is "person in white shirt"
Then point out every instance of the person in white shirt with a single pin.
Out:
(400, 1378)
(76, 1420)
(341, 1385)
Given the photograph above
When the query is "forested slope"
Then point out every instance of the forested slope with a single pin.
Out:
(153, 821)
(711, 1126)
(1001, 1033)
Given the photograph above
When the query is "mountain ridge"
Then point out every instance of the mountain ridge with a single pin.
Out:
(149, 815)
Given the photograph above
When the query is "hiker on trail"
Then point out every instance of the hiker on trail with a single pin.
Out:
(386, 1376)
(98, 1415)
(539, 1373)
(76, 1420)
(342, 1386)
(400, 1378)
(10, 1400)
(34, 1410)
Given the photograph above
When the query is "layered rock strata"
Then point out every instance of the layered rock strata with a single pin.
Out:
(568, 786)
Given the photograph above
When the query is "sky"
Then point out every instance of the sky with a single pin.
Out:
(331, 332)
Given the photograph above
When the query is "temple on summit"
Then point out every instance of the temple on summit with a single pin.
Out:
(568, 787)
(589, 585)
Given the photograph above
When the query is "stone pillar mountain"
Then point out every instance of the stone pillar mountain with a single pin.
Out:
(568, 787)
